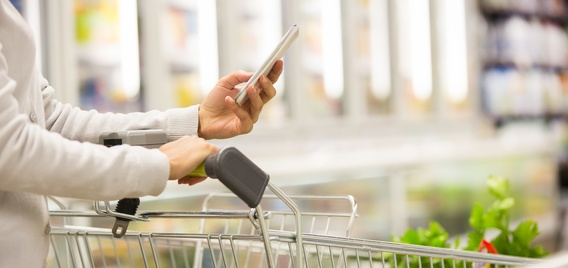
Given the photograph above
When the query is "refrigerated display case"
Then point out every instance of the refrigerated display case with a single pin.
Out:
(409, 59)
(318, 72)
(179, 52)
(248, 32)
(368, 58)
(414, 56)
(181, 42)
(107, 59)
(91, 53)
(454, 58)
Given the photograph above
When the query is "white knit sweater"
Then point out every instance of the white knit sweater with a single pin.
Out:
(47, 148)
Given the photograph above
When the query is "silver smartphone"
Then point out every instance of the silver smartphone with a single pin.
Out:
(276, 54)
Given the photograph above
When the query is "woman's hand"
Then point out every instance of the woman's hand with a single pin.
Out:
(185, 154)
(221, 117)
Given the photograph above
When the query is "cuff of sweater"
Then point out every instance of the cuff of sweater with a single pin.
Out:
(182, 121)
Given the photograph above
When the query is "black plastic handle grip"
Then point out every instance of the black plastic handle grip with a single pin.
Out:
(238, 173)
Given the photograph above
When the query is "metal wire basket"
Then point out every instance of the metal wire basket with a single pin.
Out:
(236, 237)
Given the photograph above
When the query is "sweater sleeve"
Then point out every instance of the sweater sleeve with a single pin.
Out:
(76, 124)
(35, 160)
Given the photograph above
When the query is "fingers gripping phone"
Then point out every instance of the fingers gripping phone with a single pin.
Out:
(265, 68)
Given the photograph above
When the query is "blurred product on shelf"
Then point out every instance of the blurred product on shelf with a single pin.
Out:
(187, 89)
(97, 22)
(526, 42)
(532, 92)
(182, 50)
(525, 59)
(106, 44)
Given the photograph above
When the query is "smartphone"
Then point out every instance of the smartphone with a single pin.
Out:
(276, 54)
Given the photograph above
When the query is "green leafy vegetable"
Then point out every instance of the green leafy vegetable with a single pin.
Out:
(517, 242)
(434, 236)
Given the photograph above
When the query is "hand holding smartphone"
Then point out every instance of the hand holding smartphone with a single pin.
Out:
(276, 54)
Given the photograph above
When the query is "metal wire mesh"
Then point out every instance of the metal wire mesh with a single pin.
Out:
(225, 236)
(97, 248)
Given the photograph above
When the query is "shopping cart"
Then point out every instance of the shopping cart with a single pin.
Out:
(291, 231)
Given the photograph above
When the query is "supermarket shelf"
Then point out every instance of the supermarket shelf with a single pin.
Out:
(534, 66)
(501, 120)
(497, 15)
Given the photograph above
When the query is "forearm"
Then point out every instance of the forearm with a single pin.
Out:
(76, 124)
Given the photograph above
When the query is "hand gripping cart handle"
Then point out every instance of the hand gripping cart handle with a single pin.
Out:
(232, 168)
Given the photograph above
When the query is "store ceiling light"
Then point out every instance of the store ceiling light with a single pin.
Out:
(332, 48)
(454, 47)
(421, 48)
(130, 64)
